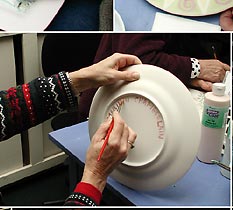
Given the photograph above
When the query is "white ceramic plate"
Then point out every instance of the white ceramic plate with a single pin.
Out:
(118, 22)
(162, 112)
(192, 7)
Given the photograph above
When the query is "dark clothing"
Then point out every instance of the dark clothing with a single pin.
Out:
(201, 46)
(150, 48)
(68, 52)
(28, 105)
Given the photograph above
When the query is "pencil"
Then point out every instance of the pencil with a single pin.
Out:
(221, 164)
(214, 51)
(106, 139)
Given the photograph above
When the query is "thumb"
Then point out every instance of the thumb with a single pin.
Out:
(226, 67)
(102, 130)
(199, 83)
(127, 75)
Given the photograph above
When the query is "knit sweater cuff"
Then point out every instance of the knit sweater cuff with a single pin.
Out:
(90, 191)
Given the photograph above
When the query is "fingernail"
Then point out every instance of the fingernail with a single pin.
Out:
(109, 118)
(135, 75)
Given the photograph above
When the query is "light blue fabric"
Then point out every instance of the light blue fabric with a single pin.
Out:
(202, 185)
(138, 15)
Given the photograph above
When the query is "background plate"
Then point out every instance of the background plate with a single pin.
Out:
(192, 7)
(118, 22)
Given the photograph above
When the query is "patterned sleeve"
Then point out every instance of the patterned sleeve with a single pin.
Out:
(84, 194)
(30, 104)
(196, 68)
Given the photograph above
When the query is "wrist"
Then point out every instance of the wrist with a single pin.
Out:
(75, 82)
(94, 179)
(82, 79)
(84, 194)
(196, 68)
(67, 89)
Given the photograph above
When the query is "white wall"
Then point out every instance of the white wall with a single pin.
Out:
(43, 153)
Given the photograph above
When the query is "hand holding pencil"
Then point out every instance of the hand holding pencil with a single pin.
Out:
(109, 147)
(211, 71)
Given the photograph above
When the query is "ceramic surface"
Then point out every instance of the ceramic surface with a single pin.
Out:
(163, 113)
(192, 7)
(118, 22)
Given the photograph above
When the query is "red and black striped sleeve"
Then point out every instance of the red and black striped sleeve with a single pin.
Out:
(28, 105)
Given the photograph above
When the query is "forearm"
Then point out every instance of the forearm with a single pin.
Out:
(84, 194)
(27, 105)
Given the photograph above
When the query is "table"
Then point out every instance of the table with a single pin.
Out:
(202, 185)
(138, 15)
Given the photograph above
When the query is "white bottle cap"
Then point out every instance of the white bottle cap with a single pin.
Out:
(218, 89)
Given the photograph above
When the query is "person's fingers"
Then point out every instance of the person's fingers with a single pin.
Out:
(102, 130)
(225, 20)
(132, 138)
(206, 85)
(221, 77)
(199, 83)
(222, 66)
(127, 75)
(124, 138)
(119, 123)
(226, 67)
(123, 60)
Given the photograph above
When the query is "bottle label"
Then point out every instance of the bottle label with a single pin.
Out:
(214, 117)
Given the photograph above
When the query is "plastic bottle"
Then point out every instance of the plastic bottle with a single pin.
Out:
(216, 106)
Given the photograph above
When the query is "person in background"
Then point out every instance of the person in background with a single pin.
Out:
(184, 55)
(226, 20)
(27, 105)
(156, 49)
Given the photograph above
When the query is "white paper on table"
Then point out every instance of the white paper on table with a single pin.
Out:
(36, 18)
(167, 23)
(228, 81)
(198, 95)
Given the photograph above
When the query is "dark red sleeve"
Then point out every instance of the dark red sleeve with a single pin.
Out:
(90, 191)
(150, 48)
(84, 194)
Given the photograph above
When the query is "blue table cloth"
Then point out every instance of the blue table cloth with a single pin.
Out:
(202, 185)
(138, 15)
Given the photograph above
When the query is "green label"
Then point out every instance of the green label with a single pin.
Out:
(214, 117)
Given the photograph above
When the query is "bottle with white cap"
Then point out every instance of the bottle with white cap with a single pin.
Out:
(214, 116)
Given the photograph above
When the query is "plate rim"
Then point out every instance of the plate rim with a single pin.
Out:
(157, 3)
(119, 173)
